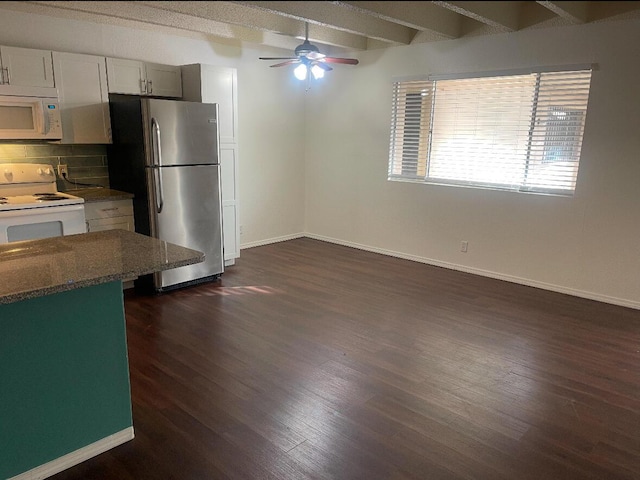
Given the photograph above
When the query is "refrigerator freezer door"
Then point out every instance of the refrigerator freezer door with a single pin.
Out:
(190, 216)
(180, 133)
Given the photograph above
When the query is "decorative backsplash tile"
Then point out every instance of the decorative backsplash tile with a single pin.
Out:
(87, 164)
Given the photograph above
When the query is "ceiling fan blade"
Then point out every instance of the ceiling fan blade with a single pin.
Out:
(323, 66)
(315, 56)
(288, 62)
(277, 58)
(346, 61)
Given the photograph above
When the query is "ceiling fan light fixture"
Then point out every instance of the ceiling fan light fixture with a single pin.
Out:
(311, 63)
(300, 71)
(317, 72)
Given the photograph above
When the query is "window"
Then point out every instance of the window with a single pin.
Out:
(519, 132)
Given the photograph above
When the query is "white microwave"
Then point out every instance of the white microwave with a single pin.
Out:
(28, 117)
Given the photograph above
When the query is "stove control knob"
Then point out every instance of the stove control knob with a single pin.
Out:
(40, 171)
(47, 171)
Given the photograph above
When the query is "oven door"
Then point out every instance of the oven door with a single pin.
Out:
(43, 222)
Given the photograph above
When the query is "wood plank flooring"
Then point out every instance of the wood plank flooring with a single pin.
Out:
(309, 360)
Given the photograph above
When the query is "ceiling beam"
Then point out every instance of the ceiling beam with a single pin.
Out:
(421, 16)
(249, 17)
(574, 12)
(121, 12)
(503, 16)
(345, 19)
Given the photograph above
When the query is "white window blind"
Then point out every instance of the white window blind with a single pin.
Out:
(518, 132)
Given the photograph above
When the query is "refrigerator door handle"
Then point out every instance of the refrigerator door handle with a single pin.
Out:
(157, 162)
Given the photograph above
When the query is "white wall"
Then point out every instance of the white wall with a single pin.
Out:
(588, 245)
(270, 126)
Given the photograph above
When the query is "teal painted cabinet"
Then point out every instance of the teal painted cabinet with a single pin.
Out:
(64, 375)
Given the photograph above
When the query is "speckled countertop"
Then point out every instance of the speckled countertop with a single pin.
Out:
(99, 194)
(35, 268)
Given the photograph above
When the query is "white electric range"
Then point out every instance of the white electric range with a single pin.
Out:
(31, 206)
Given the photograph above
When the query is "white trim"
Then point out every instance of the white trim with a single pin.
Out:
(511, 72)
(76, 457)
(623, 302)
(429, 77)
(284, 238)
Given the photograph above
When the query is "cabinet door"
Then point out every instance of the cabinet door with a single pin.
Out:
(219, 86)
(27, 67)
(126, 76)
(163, 80)
(230, 225)
(84, 99)
(98, 225)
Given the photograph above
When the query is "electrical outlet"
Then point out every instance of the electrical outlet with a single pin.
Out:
(464, 245)
(63, 171)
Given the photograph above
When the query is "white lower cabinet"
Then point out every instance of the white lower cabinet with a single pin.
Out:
(110, 215)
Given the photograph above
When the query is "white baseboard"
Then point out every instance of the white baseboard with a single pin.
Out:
(69, 460)
(268, 241)
(485, 273)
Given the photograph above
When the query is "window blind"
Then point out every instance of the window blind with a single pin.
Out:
(517, 132)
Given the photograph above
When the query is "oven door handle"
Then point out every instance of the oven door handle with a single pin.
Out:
(156, 164)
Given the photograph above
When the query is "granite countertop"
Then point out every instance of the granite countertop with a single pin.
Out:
(99, 194)
(34, 268)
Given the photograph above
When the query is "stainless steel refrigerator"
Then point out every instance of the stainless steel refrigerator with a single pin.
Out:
(166, 152)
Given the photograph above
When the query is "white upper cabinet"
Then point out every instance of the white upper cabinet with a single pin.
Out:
(142, 78)
(164, 80)
(26, 67)
(84, 98)
(212, 84)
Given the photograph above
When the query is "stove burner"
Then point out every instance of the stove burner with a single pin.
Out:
(45, 197)
(50, 197)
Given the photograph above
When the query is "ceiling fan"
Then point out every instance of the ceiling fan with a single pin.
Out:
(309, 58)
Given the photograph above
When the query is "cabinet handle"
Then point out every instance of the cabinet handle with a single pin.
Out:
(150, 87)
(143, 85)
(8, 80)
(110, 209)
(88, 227)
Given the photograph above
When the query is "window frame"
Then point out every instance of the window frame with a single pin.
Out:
(570, 141)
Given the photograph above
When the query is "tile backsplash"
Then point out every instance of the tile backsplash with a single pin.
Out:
(87, 164)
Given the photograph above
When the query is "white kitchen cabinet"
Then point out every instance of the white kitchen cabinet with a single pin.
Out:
(84, 97)
(228, 180)
(212, 84)
(143, 78)
(26, 67)
(110, 215)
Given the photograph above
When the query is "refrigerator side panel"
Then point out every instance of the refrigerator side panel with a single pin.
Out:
(190, 214)
(126, 155)
(182, 133)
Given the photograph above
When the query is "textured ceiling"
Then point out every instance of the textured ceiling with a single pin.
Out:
(339, 26)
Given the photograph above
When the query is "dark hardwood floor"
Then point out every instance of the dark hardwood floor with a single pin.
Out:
(309, 360)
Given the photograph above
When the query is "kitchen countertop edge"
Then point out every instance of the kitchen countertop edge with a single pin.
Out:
(140, 255)
(95, 194)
